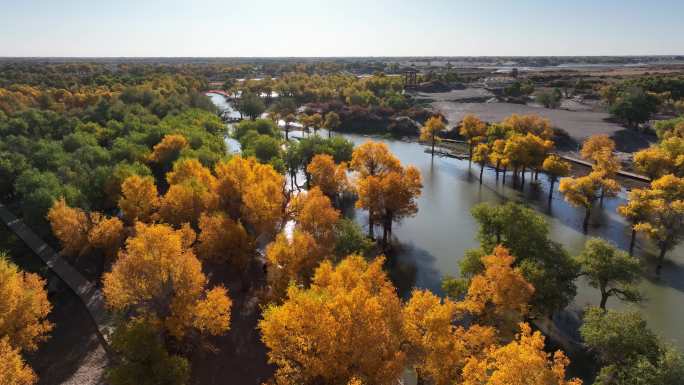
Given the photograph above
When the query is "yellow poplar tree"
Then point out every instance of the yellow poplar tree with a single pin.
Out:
(185, 202)
(159, 277)
(24, 307)
(326, 175)
(251, 191)
(532, 124)
(373, 159)
(663, 221)
(555, 168)
(314, 214)
(521, 362)
(431, 129)
(474, 131)
(347, 325)
(481, 157)
(584, 191)
(13, 369)
(291, 261)
(439, 348)
(168, 150)
(222, 239)
(500, 295)
(71, 226)
(106, 234)
(139, 199)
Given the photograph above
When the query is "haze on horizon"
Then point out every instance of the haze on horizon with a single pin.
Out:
(213, 28)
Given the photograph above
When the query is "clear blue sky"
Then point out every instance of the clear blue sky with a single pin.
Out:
(340, 27)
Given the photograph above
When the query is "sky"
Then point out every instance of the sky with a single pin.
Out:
(228, 28)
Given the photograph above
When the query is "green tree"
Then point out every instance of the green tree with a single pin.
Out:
(332, 121)
(610, 270)
(143, 359)
(550, 98)
(633, 106)
(350, 239)
(630, 352)
(544, 263)
(250, 105)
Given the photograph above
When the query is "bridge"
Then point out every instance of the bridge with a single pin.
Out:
(220, 92)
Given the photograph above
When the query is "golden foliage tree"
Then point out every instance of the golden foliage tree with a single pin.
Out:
(473, 130)
(439, 348)
(555, 168)
(347, 325)
(586, 190)
(314, 214)
(596, 146)
(159, 277)
(71, 226)
(635, 211)
(252, 192)
(106, 234)
(373, 159)
(481, 157)
(13, 369)
(521, 362)
(291, 261)
(168, 150)
(653, 162)
(139, 199)
(389, 197)
(433, 127)
(663, 219)
(665, 158)
(185, 202)
(222, 239)
(329, 177)
(532, 124)
(500, 295)
(188, 170)
(24, 307)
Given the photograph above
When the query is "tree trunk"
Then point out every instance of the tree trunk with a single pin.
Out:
(433, 146)
(370, 225)
(470, 154)
(287, 132)
(329, 133)
(504, 175)
(604, 299)
(603, 193)
(496, 168)
(384, 235)
(632, 241)
(661, 258)
(553, 182)
(523, 177)
(481, 172)
(587, 214)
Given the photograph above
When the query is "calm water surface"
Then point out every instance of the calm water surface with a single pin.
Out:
(431, 243)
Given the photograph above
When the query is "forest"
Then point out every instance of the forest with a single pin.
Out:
(124, 169)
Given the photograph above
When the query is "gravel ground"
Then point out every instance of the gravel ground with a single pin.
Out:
(578, 124)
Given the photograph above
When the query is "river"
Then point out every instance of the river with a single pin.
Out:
(431, 243)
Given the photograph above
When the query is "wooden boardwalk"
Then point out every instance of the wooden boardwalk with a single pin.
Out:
(87, 291)
(622, 173)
